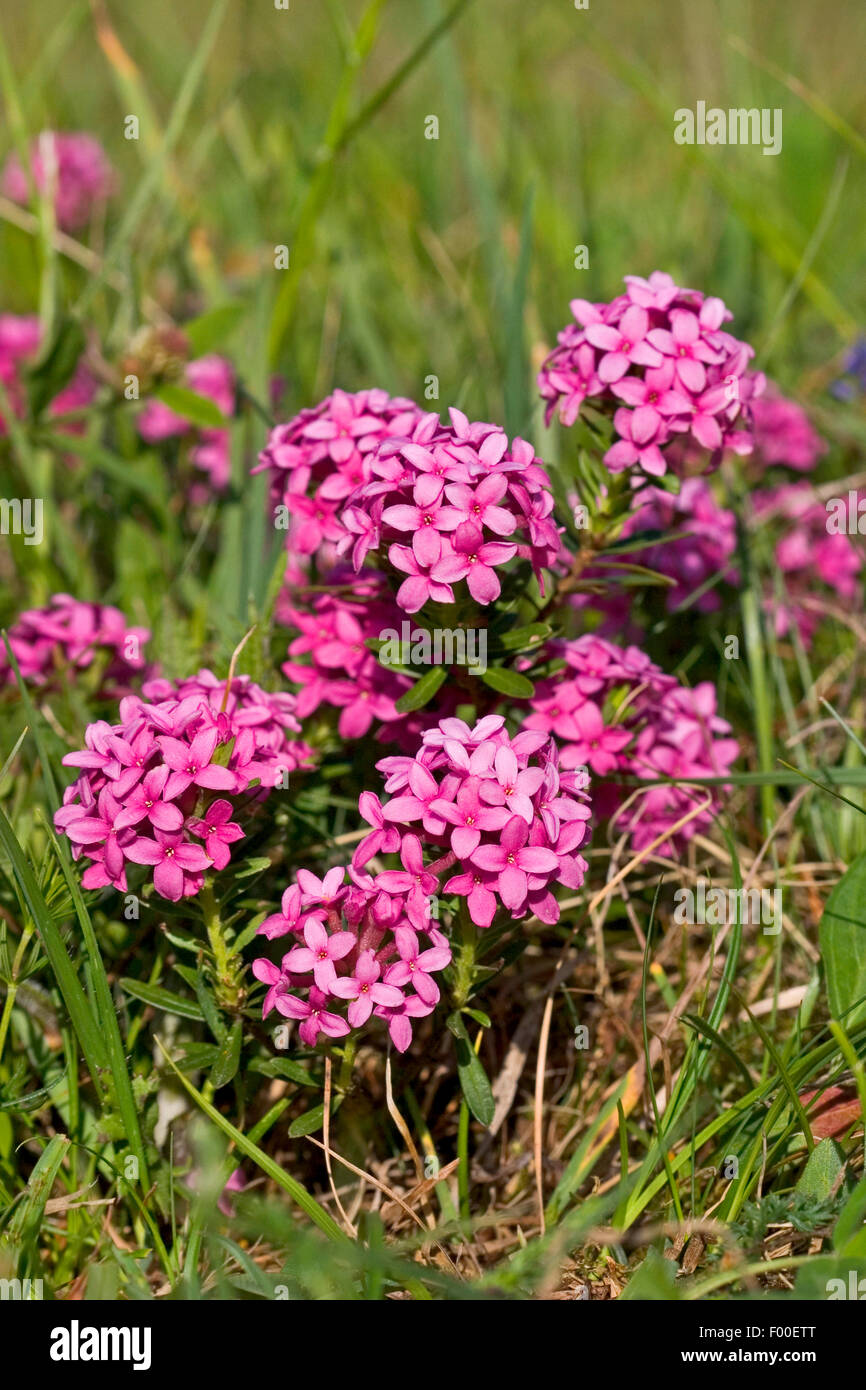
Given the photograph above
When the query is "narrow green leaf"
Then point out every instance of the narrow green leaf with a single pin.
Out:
(83, 1021)
(191, 406)
(422, 691)
(508, 682)
(162, 999)
(842, 938)
(228, 1058)
(473, 1078)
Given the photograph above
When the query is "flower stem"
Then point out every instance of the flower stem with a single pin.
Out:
(227, 967)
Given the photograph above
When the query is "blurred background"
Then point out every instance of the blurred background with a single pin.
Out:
(454, 256)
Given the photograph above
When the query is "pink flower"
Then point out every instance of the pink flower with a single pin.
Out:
(422, 584)
(174, 860)
(683, 342)
(291, 917)
(383, 839)
(413, 879)
(783, 432)
(414, 964)
(274, 978)
(478, 505)
(469, 816)
(474, 560)
(510, 787)
(152, 769)
(630, 342)
(191, 764)
(218, 831)
(145, 801)
(74, 166)
(513, 860)
(595, 744)
(398, 1019)
(315, 1017)
(366, 990)
(319, 954)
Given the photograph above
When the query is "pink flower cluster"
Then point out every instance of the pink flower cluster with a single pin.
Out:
(615, 712)
(783, 432)
(692, 558)
(469, 501)
(658, 358)
(19, 341)
(498, 809)
(321, 456)
(155, 788)
(212, 377)
(382, 472)
(336, 667)
(355, 950)
(495, 809)
(74, 165)
(68, 633)
(806, 553)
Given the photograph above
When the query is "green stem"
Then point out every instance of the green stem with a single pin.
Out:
(467, 937)
(227, 968)
(12, 987)
(344, 1078)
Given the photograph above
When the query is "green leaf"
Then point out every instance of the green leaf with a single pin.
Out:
(27, 1217)
(228, 1058)
(282, 1067)
(308, 1123)
(849, 1237)
(822, 1175)
(842, 937)
(653, 1280)
(422, 691)
(191, 406)
(521, 638)
(105, 1007)
(83, 1017)
(210, 331)
(473, 1078)
(56, 368)
(508, 682)
(162, 999)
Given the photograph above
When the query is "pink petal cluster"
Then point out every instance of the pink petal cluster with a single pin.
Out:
(613, 711)
(329, 659)
(162, 786)
(783, 432)
(658, 360)
(68, 633)
(706, 539)
(212, 377)
(75, 165)
(452, 503)
(357, 955)
(476, 814)
(496, 809)
(322, 455)
(20, 337)
(808, 556)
